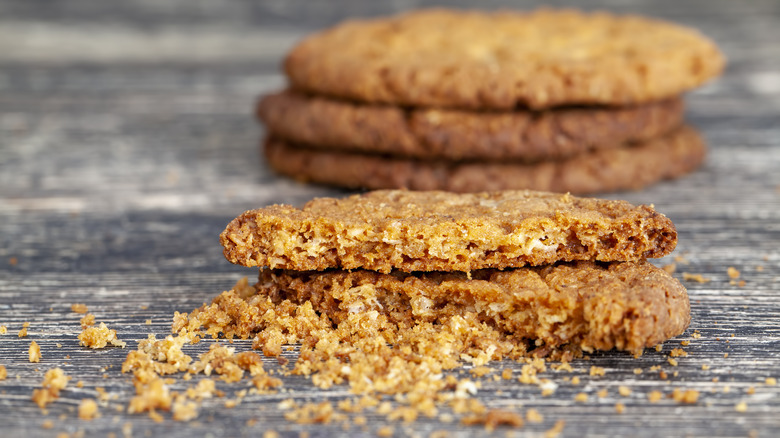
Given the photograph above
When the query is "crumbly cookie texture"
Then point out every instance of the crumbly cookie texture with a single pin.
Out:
(623, 305)
(523, 135)
(629, 167)
(442, 231)
(501, 60)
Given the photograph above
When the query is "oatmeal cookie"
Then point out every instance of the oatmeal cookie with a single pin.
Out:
(629, 167)
(503, 60)
(443, 231)
(520, 135)
(623, 305)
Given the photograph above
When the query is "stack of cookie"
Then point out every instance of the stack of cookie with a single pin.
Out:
(466, 101)
(556, 270)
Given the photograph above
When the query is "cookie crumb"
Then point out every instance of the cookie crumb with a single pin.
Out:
(741, 407)
(184, 410)
(480, 371)
(620, 407)
(533, 416)
(47, 424)
(689, 396)
(80, 308)
(54, 381)
(581, 397)
(597, 371)
(602, 393)
(88, 409)
(99, 337)
(624, 391)
(494, 418)
(705, 367)
(385, 431)
(670, 268)
(733, 272)
(695, 277)
(654, 396)
(3, 372)
(770, 381)
(637, 371)
(34, 352)
(87, 320)
(555, 430)
(3, 329)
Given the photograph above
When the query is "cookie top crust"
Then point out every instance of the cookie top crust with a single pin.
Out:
(426, 133)
(581, 303)
(443, 231)
(503, 60)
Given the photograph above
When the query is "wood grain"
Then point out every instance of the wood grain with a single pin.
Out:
(127, 144)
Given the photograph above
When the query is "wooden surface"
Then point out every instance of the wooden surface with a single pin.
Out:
(127, 144)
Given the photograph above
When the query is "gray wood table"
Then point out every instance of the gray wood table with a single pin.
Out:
(127, 143)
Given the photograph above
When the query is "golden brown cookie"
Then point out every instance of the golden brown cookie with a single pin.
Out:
(503, 60)
(443, 231)
(623, 305)
(624, 168)
(520, 135)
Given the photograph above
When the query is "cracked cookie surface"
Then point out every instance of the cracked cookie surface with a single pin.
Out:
(503, 60)
(443, 231)
(623, 305)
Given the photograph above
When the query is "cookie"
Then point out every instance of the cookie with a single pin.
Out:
(443, 231)
(328, 124)
(623, 305)
(625, 168)
(503, 60)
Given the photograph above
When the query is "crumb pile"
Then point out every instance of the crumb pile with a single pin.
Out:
(399, 332)
(466, 101)
(420, 343)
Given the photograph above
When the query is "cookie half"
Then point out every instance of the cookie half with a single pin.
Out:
(624, 168)
(521, 135)
(502, 60)
(623, 305)
(443, 231)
